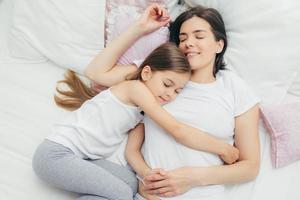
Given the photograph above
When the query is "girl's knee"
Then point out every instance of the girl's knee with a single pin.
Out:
(91, 197)
(124, 193)
(133, 184)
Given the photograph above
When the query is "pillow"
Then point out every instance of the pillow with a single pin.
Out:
(69, 33)
(282, 122)
(295, 87)
(170, 4)
(262, 43)
(143, 46)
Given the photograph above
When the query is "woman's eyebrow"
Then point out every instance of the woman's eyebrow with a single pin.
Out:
(195, 31)
(199, 31)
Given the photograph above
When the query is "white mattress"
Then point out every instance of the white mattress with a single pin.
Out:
(27, 111)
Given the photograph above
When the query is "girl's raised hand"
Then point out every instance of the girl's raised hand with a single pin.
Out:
(154, 17)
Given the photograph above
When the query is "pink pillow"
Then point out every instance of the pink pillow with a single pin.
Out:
(283, 124)
(112, 4)
(142, 47)
(138, 3)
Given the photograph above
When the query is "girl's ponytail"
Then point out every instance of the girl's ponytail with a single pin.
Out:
(76, 94)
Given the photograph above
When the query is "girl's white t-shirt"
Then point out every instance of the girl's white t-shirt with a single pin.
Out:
(99, 128)
(210, 107)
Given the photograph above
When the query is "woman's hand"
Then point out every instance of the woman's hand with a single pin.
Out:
(173, 183)
(154, 17)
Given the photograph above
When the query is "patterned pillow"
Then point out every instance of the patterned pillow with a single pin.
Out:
(283, 124)
(142, 47)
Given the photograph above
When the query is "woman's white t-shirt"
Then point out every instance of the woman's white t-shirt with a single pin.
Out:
(210, 107)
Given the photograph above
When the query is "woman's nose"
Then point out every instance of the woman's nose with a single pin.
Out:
(189, 42)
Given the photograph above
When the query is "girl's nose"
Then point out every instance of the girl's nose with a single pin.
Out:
(171, 95)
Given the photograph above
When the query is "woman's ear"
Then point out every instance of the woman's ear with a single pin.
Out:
(220, 45)
(146, 73)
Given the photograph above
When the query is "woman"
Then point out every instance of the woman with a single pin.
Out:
(215, 100)
(200, 33)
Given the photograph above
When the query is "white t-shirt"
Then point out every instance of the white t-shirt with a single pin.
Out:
(98, 129)
(210, 107)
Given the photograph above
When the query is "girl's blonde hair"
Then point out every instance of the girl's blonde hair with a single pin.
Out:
(165, 57)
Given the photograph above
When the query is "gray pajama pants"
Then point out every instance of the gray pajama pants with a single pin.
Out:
(92, 179)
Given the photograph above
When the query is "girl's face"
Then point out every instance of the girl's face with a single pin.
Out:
(164, 85)
(198, 43)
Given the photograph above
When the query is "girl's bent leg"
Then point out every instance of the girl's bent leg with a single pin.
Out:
(59, 166)
(123, 173)
(91, 197)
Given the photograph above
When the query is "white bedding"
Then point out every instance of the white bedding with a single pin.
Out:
(27, 111)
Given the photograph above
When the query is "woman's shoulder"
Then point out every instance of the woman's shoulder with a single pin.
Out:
(228, 74)
(231, 79)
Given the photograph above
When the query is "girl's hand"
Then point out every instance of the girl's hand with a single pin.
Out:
(154, 17)
(174, 183)
(144, 194)
(159, 174)
(230, 154)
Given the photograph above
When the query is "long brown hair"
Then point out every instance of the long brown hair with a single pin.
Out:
(165, 57)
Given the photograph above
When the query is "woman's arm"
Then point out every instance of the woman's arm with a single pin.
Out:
(182, 133)
(181, 180)
(102, 68)
(247, 141)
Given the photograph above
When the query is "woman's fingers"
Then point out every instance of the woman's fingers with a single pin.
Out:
(155, 185)
(160, 191)
(154, 177)
(168, 194)
(156, 171)
(160, 10)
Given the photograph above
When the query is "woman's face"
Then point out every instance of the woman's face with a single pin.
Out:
(199, 44)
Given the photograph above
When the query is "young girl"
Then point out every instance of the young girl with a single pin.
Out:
(69, 158)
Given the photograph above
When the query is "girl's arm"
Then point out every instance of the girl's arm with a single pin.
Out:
(103, 69)
(182, 133)
(181, 180)
(133, 153)
(135, 158)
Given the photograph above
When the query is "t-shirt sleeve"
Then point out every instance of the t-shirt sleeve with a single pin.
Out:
(244, 96)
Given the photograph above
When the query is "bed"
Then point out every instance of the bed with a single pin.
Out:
(27, 83)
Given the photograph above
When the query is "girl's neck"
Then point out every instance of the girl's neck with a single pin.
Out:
(203, 76)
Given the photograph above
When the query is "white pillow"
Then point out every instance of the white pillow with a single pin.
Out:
(295, 87)
(69, 32)
(263, 42)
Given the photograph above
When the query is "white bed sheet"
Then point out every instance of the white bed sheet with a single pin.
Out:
(27, 111)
